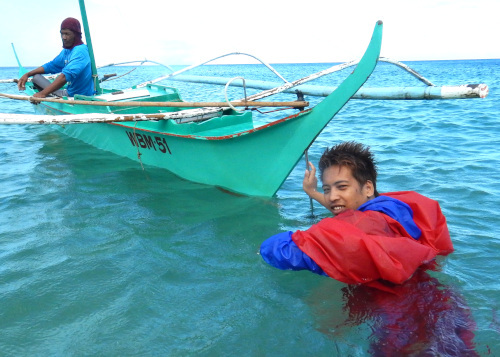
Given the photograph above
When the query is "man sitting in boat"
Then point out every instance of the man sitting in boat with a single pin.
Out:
(373, 238)
(73, 63)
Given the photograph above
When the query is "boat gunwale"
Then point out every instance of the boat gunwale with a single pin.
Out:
(194, 136)
(221, 137)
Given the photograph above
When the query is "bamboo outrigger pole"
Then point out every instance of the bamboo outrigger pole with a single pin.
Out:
(88, 40)
(242, 103)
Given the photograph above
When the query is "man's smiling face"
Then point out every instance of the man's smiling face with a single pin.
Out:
(342, 191)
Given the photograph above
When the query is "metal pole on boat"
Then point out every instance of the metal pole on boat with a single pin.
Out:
(307, 168)
(89, 45)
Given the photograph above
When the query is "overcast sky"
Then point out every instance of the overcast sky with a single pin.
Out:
(277, 31)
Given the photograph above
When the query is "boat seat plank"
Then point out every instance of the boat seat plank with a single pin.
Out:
(110, 97)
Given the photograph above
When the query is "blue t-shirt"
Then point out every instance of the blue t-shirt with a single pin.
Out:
(75, 65)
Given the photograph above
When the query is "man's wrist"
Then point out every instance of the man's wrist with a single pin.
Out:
(312, 193)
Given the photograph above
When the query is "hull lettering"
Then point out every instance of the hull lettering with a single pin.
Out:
(149, 142)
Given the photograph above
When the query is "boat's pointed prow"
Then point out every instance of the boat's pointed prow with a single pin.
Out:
(361, 73)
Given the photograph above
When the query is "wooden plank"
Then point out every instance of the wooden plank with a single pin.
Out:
(181, 116)
(242, 103)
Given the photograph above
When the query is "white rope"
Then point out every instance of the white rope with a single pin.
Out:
(244, 88)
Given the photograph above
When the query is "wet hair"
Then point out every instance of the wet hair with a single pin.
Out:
(356, 156)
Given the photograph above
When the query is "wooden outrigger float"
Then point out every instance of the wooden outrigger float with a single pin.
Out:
(209, 143)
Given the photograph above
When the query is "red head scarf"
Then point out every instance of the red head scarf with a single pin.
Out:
(74, 25)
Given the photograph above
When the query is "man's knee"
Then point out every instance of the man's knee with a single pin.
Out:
(40, 82)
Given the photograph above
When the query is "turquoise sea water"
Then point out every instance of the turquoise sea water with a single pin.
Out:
(98, 257)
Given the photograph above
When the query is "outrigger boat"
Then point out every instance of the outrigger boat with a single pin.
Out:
(209, 143)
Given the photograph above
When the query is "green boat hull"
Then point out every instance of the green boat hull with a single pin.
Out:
(226, 151)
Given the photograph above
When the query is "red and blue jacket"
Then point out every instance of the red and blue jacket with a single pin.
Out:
(385, 239)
